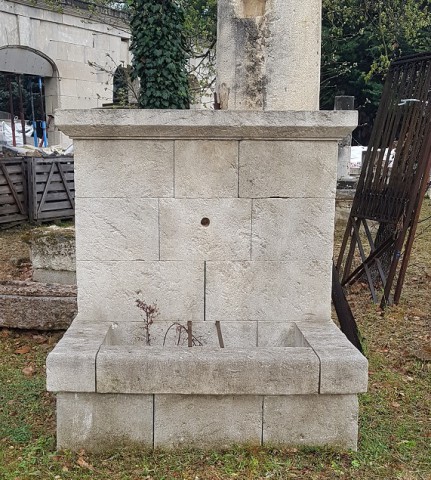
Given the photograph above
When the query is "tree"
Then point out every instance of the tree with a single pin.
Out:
(360, 38)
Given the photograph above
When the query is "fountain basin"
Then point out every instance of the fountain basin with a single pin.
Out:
(272, 382)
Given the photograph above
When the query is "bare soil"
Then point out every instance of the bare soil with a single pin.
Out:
(15, 254)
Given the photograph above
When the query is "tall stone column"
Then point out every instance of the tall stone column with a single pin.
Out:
(268, 54)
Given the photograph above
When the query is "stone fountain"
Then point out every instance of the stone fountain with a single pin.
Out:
(223, 221)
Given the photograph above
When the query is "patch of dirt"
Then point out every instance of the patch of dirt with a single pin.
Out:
(15, 254)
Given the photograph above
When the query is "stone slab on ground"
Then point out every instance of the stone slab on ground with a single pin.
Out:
(37, 306)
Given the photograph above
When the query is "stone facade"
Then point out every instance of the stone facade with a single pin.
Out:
(70, 39)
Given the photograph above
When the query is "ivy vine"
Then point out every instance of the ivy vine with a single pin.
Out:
(160, 53)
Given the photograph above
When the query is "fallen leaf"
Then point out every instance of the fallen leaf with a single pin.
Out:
(28, 371)
(396, 405)
(39, 339)
(83, 464)
(23, 350)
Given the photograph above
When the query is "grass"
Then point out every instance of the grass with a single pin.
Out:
(395, 415)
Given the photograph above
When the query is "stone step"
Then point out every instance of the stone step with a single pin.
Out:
(37, 306)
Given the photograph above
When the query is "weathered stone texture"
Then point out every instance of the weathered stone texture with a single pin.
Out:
(108, 290)
(117, 228)
(312, 420)
(268, 291)
(293, 229)
(52, 253)
(344, 369)
(287, 169)
(202, 125)
(38, 306)
(71, 366)
(206, 169)
(53, 249)
(268, 54)
(280, 334)
(101, 422)
(135, 169)
(234, 334)
(227, 236)
(206, 421)
(207, 371)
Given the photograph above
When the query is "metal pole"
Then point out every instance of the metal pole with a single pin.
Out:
(42, 106)
(32, 115)
(12, 120)
(21, 110)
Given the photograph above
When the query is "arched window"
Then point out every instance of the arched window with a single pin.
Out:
(120, 86)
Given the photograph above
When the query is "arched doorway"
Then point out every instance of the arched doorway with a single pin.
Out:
(29, 81)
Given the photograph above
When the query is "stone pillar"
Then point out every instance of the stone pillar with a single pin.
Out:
(344, 180)
(268, 54)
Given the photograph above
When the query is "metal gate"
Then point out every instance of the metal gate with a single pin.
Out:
(379, 236)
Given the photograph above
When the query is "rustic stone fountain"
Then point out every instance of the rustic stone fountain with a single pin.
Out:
(223, 220)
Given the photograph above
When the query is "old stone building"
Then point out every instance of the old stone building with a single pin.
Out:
(62, 45)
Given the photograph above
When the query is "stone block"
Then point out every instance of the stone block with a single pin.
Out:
(130, 169)
(68, 87)
(53, 248)
(37, 306)
(210, 125)
(312, 420)
(90, 89)
(206, 169)
(207, 421)
(51, 16)
(9, 34)
(25, 31)
(75, 70)
(213, 229)
(71, 366)
(62, 277)
(73, 35)
(292, 169)
(68, 51)
(293, 229)
(267, 291)
(343, 369)
(117, 228)
(207, 370)
(98, 423)
(107, 290)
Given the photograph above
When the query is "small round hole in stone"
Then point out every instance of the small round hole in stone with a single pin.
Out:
(205, 222)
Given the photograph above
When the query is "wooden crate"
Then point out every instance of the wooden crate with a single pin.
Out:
(36, 189)
(51, 188)
(13, 191)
